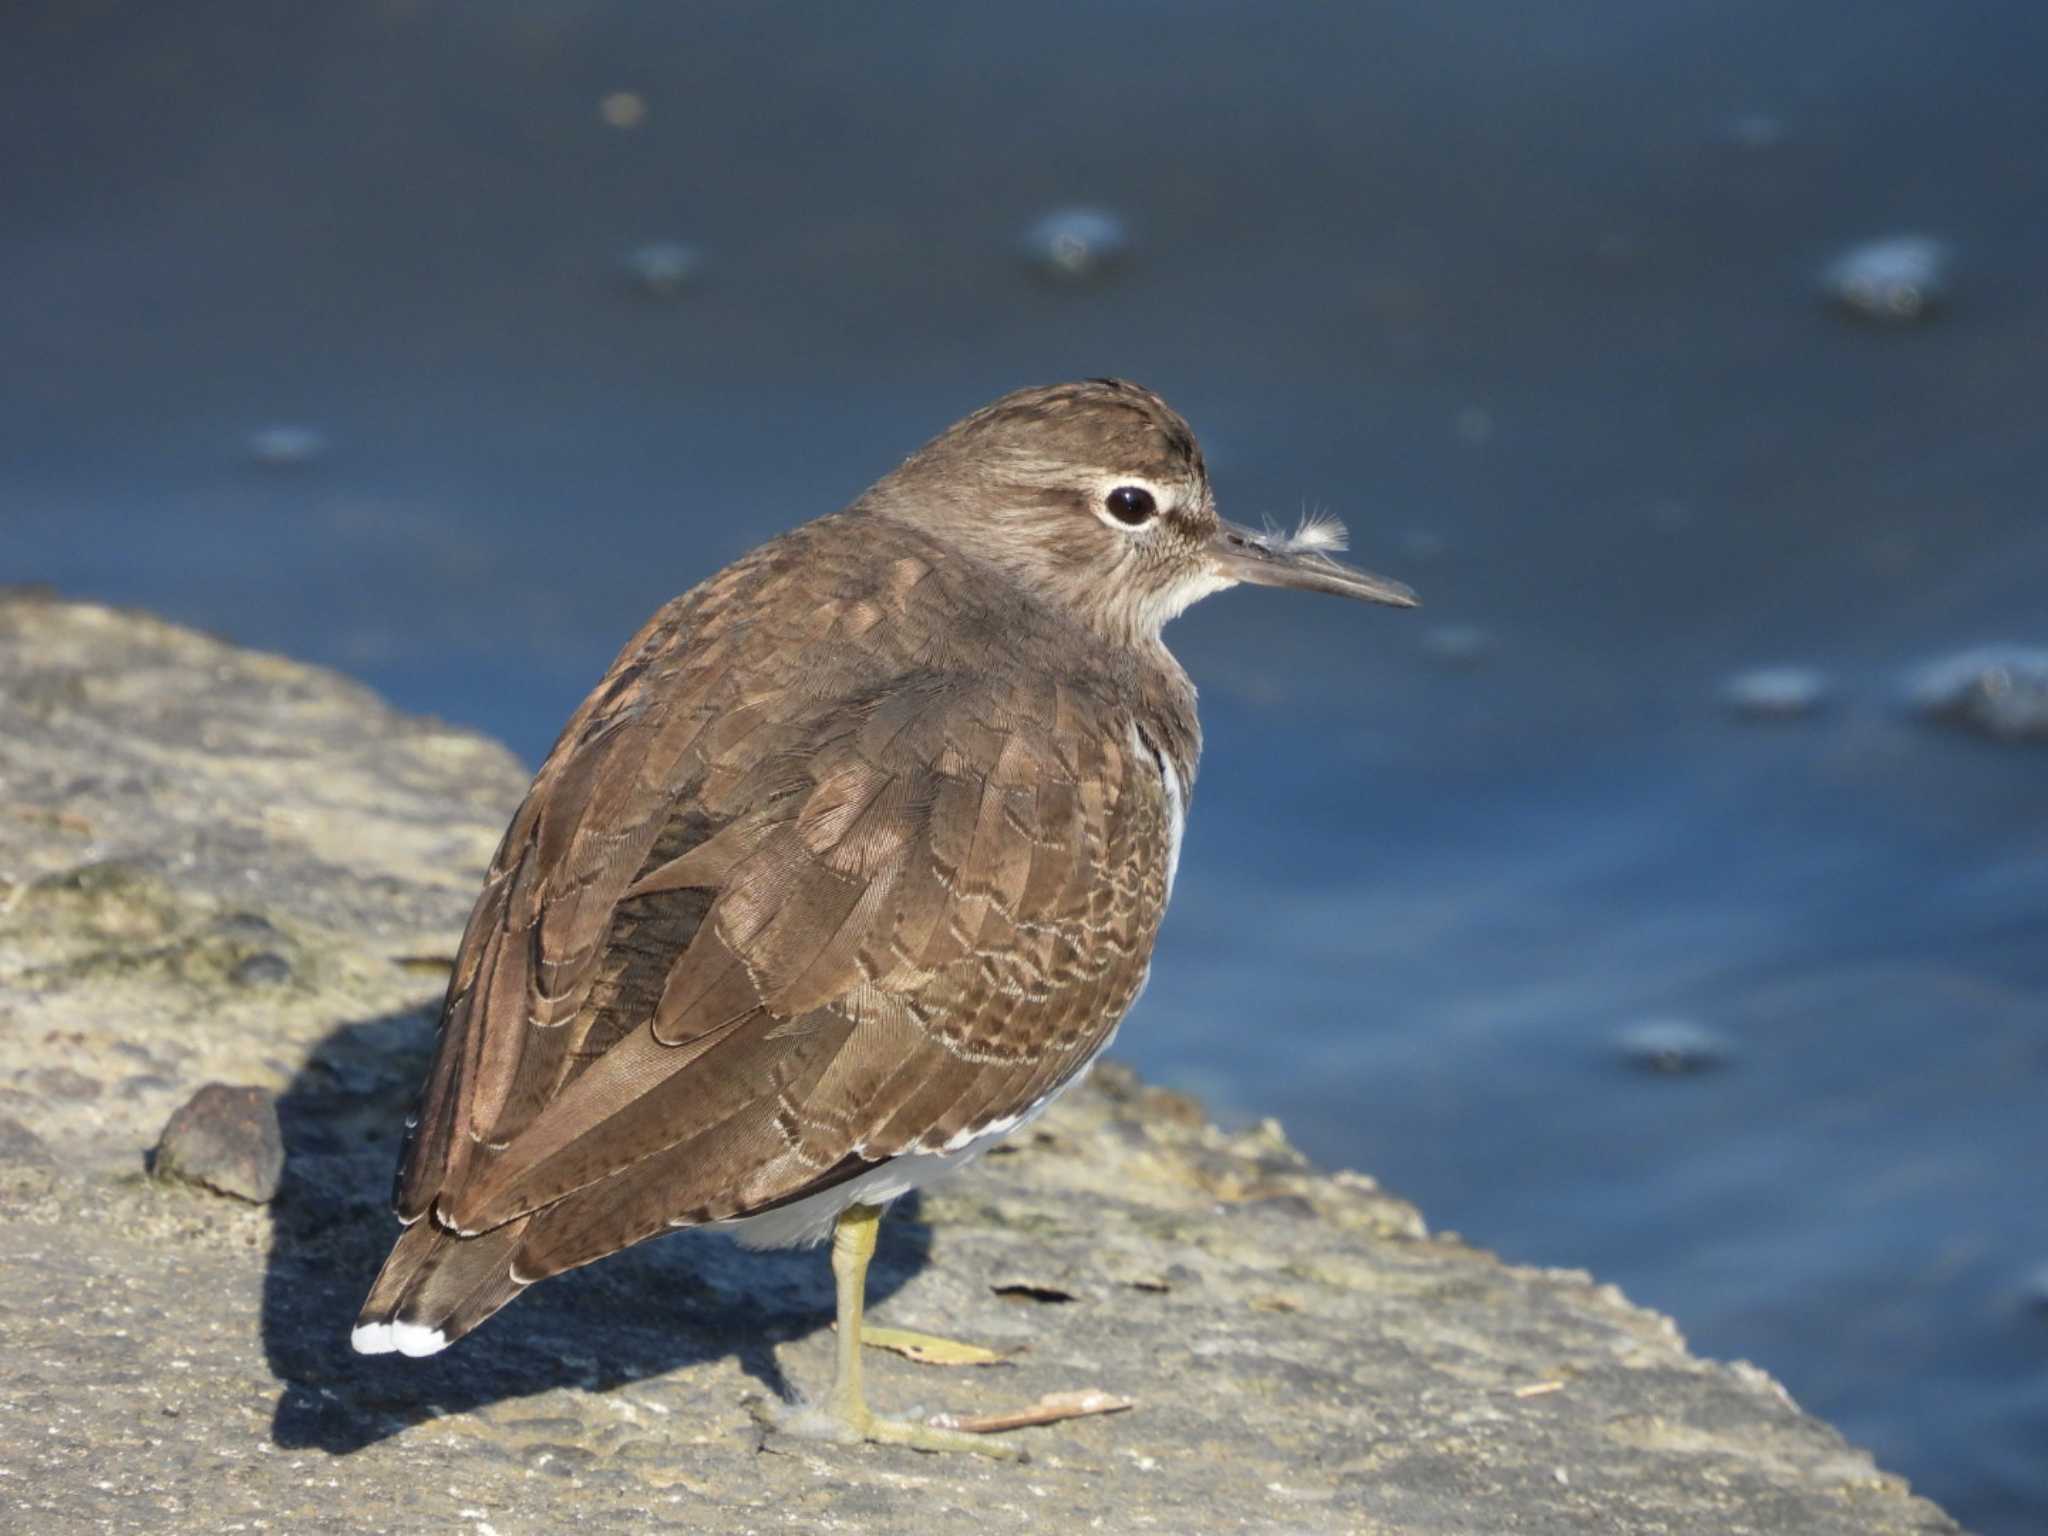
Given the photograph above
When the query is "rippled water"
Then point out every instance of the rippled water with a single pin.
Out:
(1623, 907)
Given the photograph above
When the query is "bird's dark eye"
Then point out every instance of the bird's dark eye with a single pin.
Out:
(1131, 505)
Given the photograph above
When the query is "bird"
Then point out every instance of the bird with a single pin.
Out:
(850, 865)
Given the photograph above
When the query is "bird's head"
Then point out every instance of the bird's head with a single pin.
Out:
(1094, 495)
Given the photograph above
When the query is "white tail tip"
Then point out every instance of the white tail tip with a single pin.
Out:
(403, 1338)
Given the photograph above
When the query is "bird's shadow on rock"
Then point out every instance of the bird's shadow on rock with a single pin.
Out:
(665, 1305)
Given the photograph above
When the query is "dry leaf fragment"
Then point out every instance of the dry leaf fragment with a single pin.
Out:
(1049, 1409)
(928, 1348)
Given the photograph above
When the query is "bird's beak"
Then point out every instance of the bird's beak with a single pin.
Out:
(1280, 560)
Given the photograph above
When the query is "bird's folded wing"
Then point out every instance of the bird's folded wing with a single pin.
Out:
(863, 926)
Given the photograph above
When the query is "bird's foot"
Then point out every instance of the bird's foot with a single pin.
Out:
(854, 1424)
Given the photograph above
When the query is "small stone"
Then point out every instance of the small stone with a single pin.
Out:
(1756, 130)
(1075, 244)
(2034, 1291)
(558, 1460)
(1898, 280)
(2000, 691)
(1674, 1047)
(1775, 693)
(286, 446)
(227, 1139)
(664, 268)
(267, 969)
(1457, 645)
(623, 110)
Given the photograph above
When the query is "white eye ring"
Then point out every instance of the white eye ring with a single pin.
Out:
(1129, 504)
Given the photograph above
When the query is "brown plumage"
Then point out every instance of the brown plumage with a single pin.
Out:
(854, 858)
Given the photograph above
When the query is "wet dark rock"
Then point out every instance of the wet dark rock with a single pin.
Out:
(1896, 280)
(1776, 693)
(226, 1139)
(2034, 1292)
(1078, 244)
(286, 446)
(662, 269)
(1999, 691)
(1674, 1047)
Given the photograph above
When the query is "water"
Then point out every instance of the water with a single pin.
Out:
(339, 334)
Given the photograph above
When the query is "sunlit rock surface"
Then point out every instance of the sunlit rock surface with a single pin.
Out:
(1304, 1357)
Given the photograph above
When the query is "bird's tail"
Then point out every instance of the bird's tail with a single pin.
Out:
(437, 1286)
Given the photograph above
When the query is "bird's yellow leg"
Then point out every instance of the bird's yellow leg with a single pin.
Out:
(847, 1415)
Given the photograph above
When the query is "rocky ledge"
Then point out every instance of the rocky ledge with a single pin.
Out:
(218, 866)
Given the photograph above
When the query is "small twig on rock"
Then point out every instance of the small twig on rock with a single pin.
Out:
(1049, 1409)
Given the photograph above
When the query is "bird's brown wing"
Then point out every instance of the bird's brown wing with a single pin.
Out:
(515, 1023)
(866, 924)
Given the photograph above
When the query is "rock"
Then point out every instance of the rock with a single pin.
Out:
(286, 446)
(662, 269)
(1303, 1355)
(1776, 693)
(1078, 244)
(1673, 1047)
(226, 1139)
(1894, 280)
(1457, 645)
(2000, 691)
(19, 1144)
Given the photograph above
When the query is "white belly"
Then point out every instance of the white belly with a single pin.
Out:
(809, 1220)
